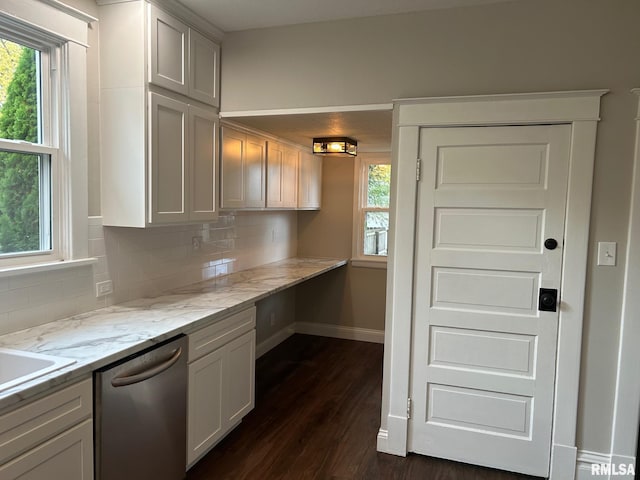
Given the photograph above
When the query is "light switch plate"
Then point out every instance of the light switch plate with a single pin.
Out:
(607, 253)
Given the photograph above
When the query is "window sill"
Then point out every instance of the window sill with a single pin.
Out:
(359, 263)
(45, 267)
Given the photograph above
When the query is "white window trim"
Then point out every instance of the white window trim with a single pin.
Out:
(361, 164)
(56, 25)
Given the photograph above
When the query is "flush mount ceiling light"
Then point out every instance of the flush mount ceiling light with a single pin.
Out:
(338, 146)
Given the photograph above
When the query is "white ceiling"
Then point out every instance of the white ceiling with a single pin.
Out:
(371, 129)
(234, 15)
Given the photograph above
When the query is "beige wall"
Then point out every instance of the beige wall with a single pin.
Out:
(353, 297)
(528, 45)
(274, 313)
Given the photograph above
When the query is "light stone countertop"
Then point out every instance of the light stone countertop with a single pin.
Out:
(100, 337)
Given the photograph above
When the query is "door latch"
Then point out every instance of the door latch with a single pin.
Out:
(548, 300)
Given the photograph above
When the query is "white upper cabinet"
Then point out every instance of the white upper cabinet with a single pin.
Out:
(168, 51)
(204, 64)
(275, 172)
(282, 176)
(159, 122)
(203, 163)
(242, 170)
(182, 59)
(309, 181)
(259, 173)
(168, 152)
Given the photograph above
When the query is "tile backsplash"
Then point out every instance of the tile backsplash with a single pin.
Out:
(145, 262)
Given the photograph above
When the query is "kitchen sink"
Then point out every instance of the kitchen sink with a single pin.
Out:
(17, 367)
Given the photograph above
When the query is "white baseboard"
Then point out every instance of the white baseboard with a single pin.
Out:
(320, 330)
(617, 466)
(584, 462)
(338, 331)
(395, 440)
(274, 340)
(383, 439)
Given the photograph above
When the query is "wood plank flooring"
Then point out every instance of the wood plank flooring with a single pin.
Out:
(317, 415)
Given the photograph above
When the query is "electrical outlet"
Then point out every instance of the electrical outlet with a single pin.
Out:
(104, 288)
(196, 243)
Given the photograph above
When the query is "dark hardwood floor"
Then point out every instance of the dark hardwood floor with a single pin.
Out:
(317, 415)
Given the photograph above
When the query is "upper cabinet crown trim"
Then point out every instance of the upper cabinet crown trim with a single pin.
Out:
(175, 8)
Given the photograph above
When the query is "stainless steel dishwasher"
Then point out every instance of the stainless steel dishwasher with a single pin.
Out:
(140, 415)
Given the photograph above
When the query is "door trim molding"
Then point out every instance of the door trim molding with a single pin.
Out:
(626, 416)
(581, 109)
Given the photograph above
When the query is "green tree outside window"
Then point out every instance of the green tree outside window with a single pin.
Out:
(19, 172)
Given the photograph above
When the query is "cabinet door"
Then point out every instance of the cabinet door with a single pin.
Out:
(232, 168)
(203, 166)
(168, 160)
(239, 381)
(205, 418)
(309, 181)
(275, 171)
(168, 51)
(204, 74)
(69, 456)
(290, 177)
(255, 172)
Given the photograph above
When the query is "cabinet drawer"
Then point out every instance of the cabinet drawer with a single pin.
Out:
(31, 424)
(214, 336)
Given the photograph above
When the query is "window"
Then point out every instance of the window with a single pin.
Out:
(25, 150)
(371, 217)
(43, 137)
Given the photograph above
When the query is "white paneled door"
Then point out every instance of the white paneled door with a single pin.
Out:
(483, 354)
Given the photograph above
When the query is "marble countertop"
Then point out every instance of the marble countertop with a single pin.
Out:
(100, 337)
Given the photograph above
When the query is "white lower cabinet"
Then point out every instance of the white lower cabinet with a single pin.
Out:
(69, 456)
(221, 380)
(50, 438)
(205, 416)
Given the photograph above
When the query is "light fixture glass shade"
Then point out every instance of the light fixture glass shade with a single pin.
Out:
(338, 146)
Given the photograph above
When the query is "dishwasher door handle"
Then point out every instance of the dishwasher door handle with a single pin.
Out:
(129, 379)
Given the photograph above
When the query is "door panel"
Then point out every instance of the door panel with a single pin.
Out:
(483, 356)
(489, 229)
(479, 410)
(471, 349)
(511, 166)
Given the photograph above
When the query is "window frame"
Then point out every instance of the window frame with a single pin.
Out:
(48, 142)
(360, 208)
(64, 30)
